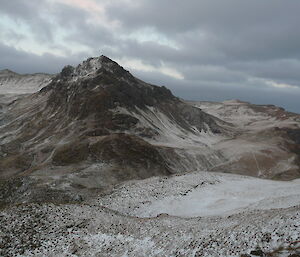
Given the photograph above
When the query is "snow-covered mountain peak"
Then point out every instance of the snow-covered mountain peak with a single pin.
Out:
(92, 67)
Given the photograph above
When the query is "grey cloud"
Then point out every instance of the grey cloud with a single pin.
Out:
(23, 62)
(281, 70)
(216, 91)
(29, 13)
(246, 30)
(225, 49)
(213, 73)
(231, 15)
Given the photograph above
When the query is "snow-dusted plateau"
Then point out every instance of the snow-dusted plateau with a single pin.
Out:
(95, 162)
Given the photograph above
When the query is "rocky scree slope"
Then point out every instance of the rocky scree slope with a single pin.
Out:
(91, 127)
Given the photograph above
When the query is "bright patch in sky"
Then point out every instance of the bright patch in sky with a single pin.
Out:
(20, 37)
(139, 65)
(280, 85)
(151, 35)
(96, 11)
(203, 44)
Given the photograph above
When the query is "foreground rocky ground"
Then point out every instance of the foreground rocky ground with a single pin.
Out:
(96, 228)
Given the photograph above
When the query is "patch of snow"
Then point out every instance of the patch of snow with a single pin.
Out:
(244, 116)
(170, 133)
(203, 194)
(23, 84)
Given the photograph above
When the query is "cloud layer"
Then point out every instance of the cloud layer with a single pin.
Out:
(202, 50)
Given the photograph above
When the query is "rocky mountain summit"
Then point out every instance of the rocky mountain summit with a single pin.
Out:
(96, 125)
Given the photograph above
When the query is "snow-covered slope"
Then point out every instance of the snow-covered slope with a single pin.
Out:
(266, 143)
(105, 227)
(249, 116)
(184, 150)
(201, 194)
(14, 83)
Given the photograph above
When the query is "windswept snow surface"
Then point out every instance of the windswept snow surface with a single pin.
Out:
(171, 134)
(261, 146)
(248, 116)
(267, 215)
(14, 83)
(202, 194)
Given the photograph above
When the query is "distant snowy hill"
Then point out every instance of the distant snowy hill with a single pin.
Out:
(267, 141)
(14, 83)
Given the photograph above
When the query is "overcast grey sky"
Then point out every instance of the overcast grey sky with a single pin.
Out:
(200, 49)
